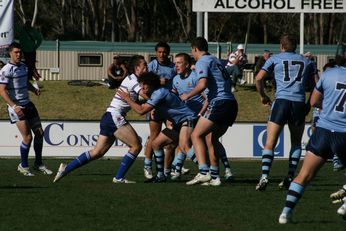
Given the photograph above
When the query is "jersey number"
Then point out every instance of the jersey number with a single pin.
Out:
(341, 102)
(300, 64)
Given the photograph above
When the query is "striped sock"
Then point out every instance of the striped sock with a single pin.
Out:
(214, 172)
(267, 159)
(224, 158)
(125, 165)
(148, 163)
(294, 193)
(180, 158)
(293, 160)
(191, 155)
(81, 160)
(159, 157)
(203, 169)
(24, 154)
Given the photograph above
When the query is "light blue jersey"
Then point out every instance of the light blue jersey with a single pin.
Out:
(219, 85)
(184, 85)
(332, 85)
(169, 106)
(291, 71)
(16, 79)
(166, 71)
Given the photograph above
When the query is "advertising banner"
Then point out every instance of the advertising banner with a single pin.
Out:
(6, 26)
(69, 139)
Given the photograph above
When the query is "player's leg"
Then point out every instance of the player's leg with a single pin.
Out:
(169, 151)
(154, 128)
(25, 132)
(312, 163)
(296, 132)
(202, 129)
(128, 136)
(223, 156)
(337, 164)
(166, 137)
(273, 132)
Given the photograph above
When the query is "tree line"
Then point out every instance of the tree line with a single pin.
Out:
(168, 20)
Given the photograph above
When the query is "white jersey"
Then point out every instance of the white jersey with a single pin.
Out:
(15, 77)
(119, 105)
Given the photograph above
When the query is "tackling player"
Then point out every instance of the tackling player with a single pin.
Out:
(113, 125)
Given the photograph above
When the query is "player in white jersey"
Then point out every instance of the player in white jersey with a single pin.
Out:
(14, 87)
(113, 125)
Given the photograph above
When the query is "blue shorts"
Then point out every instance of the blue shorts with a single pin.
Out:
(108, 125)
(325, 143)
(285, 111)
(222, 112)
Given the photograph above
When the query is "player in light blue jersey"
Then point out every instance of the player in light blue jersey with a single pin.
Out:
(113, 125)
(220, 114)
(329, 137)
(291, 72)
(165, 69)
(170, 108)
(14, 87)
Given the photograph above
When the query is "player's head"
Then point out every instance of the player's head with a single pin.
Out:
(288, 43)
(137, 65)
(15, 51)
(149, 81)
(200, 43)
(162, 50)
(182, 63)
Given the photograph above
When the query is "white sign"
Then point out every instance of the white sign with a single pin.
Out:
(69, 139)
(6, 23)
(270, 6)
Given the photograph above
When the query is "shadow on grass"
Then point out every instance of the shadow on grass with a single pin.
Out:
(21, 187)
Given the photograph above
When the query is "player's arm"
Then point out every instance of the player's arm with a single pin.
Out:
(260, 87)
(201, 85)
(33, 89)
(141, 109)
(316, 99)
(4, 94)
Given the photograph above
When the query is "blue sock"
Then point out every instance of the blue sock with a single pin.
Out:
(125, 165)
(203, 169)
(24, 154)
(81, 160)
(267, 159)
(147, 163)
(293, 160)
(294, 193)
(179, 158)
(159, 157)
(224, 158)
(214, 172)
(191, 155)
(38, 144)
(167, 172)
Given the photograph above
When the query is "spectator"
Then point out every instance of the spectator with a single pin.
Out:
(233, 71)
(30, 39)
(240, 61)
(117, 72)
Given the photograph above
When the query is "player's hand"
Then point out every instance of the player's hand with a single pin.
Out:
(184, 97)
(125, 95)
(18, 110)
(266, 101)
(37, 92)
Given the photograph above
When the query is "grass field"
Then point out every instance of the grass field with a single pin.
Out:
(60, 101)
(87, 200)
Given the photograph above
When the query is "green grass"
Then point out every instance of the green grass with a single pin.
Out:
(60, 101)
(87, 200)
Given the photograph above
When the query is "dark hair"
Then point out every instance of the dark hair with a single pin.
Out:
(164, 45)
(200, 43)
(134, 61)
(14, 45)
(289, 42)
(149, 78)
(185, 56)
